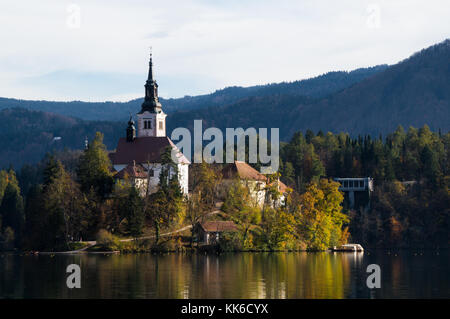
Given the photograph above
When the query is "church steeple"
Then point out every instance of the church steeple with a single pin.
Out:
(151, 102)
(151, 118)
(150, 69)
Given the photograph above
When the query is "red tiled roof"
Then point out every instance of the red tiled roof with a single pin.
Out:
(243, 171)
(146, 149)
(283, 187)
(132, 171)
(218, 226)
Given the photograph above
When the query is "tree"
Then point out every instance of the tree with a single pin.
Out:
(164, 207)
(35, 219)
(331, 205)
(205, 181)
(238, 205)
(12, 211)
(51, 170)
(64, 204)
(157, 212)
(278, 228)
(306, 163)
(4, 181)
(29, 176)
(8, 238)
(195, 211)
(430, 167)
(319, 217)
(133, 211)
(7, 177)
(288, 174)
(94, 168)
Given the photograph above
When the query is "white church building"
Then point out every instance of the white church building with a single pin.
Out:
(139, 158)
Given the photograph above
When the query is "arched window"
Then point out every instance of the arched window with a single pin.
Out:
(147, 124)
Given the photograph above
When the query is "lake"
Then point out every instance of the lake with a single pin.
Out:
(406, 274)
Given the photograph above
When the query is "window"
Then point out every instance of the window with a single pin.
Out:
(151, 173)
(147, 124)
(161, 125)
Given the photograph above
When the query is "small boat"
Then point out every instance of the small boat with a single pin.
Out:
(348, 248)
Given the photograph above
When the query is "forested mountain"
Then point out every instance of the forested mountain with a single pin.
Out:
(115, 111)
(25, 136)
(109, 111)
(316, 87)
(414, 92)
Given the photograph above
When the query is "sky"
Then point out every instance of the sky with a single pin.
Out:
(98, 50)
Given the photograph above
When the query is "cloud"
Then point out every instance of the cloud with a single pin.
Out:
(200, 45)
(157, 35)
(74, 84)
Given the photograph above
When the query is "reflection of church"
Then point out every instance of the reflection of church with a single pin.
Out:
(139, 157)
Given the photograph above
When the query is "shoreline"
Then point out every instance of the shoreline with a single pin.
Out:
(116, 252)
(205, 252)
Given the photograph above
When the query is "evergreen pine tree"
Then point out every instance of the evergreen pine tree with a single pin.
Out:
(94, 169)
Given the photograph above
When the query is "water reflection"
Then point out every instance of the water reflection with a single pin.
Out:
(240, 275)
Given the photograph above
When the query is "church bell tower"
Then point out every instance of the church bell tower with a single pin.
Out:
(131, 131)
(151, 118)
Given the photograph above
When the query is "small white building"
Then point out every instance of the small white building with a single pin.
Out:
(351, 185)
(140, 156)
(256, 182)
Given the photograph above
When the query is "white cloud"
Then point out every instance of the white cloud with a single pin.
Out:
(201, 45)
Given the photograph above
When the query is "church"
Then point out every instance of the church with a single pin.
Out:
(138, 157)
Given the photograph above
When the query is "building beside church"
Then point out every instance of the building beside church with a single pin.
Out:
(256, 183)
(138, 157)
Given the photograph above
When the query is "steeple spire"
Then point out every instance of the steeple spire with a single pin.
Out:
(151, 101)
(150, 67)
(151, 120)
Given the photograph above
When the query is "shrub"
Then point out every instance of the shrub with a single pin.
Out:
(107, 241)
(230, 241)
(8, 239)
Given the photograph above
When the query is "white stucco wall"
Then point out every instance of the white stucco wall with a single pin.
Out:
(183, 175)
(154, 180)
(256, 189)
(155, 119)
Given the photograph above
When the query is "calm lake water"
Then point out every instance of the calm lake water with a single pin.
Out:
(235, 275)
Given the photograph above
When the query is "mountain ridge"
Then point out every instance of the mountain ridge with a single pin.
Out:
(413, 92)
(316, 87)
